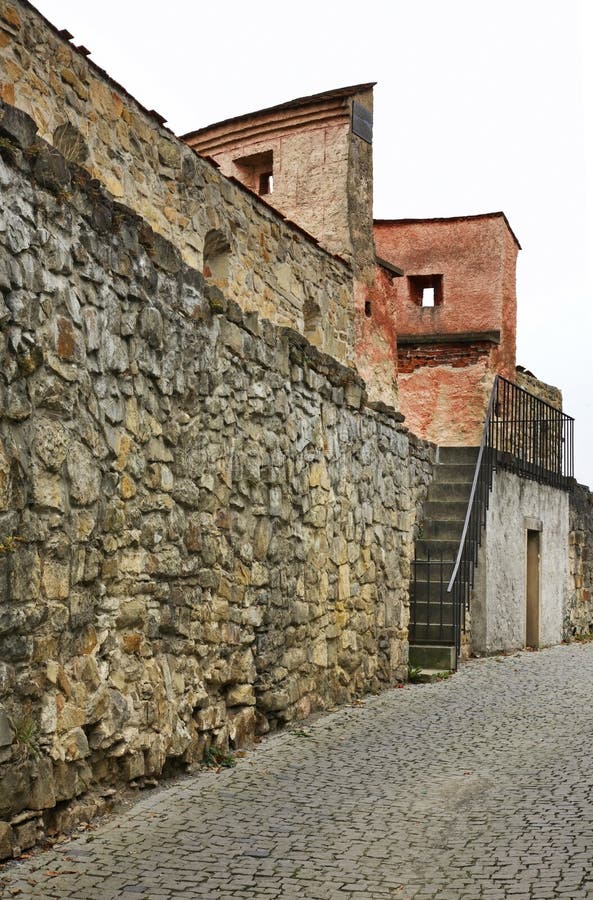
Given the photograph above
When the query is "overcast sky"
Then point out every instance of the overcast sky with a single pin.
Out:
(480, 105)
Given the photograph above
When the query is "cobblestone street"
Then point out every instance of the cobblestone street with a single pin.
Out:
(478, 786)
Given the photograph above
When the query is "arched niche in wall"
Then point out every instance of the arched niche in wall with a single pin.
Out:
(70, 143)
(217, 257)
(312, 321)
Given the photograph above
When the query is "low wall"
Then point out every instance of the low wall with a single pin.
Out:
(498, 608)
(579, 613)
(204, 532)
(546, 392)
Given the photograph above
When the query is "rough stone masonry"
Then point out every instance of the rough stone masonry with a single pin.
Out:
(274, 267)
(205, 532)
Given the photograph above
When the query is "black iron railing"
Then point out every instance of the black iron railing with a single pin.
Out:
(531, 437)
(434, 619)
(526, 435)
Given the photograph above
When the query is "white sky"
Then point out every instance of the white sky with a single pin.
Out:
(481, 105)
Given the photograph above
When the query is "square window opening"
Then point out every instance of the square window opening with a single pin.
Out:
(256, 172)
(426, 291)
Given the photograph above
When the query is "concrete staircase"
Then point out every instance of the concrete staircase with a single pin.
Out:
(432, 632)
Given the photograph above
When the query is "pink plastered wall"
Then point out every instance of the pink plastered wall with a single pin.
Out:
(376, 339)
(448, 354)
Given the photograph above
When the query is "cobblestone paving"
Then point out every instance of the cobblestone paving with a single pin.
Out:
(475, 787)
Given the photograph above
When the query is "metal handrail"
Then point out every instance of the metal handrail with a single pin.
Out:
(470, 502)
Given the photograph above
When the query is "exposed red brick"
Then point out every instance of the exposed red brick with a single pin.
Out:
(411, 358)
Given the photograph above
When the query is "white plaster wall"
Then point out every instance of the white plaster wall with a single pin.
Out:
(498, 602)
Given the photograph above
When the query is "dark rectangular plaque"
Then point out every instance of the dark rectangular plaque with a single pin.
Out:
(362, 122)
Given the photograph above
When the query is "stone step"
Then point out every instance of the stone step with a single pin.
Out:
(446, 509)
(442, 530)
(442, 657)
(458, 491)
(437, 548)
(431, 634)
(449, 473)
(425, 612)
(435, 552)
(425, 573)
(458, 455)
(431, 676)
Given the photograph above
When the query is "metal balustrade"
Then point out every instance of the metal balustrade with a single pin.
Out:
(522, 434)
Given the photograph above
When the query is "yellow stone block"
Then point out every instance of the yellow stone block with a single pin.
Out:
(318, 475)
(242, 573)
(56, 579)
(123, 447)
(132, 420)
(9, 15)
(114, 185)
(127, 487)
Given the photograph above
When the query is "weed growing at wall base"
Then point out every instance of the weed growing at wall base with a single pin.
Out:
(415, 674)
(215, 758)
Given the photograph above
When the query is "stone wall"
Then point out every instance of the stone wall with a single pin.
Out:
(546, 392)
(579, 614)
(270, 265)
(322, 171)
(204, 532)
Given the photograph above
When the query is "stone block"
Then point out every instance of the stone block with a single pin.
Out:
(47, 489)
(6, 729)
(25, 574)
(56, 579)
(132, 613)
(52, 171)
(240, 695)
(74, 744)
(70, 779)
(6, 841)
(17, 126)
(274, 701)
(48, 718)
(211, 718)
(84, 475)
(27, 829)
(5, 480)
(51, 442)
(42, 790)
(133, 766)
(15, 788)
(242, 727)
